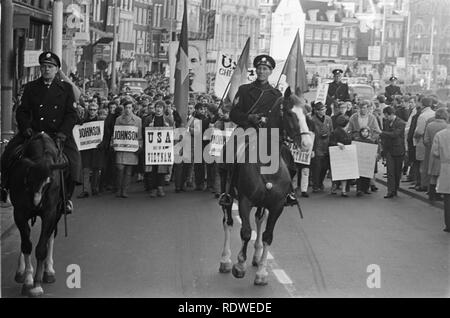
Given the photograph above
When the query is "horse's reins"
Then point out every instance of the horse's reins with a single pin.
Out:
(63, 188)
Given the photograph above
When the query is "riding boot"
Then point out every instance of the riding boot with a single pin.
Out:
(291, 199)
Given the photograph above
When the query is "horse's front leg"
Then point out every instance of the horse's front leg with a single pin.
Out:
(24, 273)
(41, 255)
(225, 260)
(49, 271)
(260, 217)
(246, 233)
(262, 275)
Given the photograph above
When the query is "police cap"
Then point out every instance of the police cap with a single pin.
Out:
(264, 60)
(337, 71)
(393, 78)
(49, 58)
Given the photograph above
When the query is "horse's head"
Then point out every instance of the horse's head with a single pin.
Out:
(41, 161)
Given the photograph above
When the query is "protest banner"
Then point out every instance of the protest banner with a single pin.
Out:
(344, 163)
(301, 156)
(159, 146)
(125, 138)
(367, 155)
(218, 140)
(89, 135)
(322, 92)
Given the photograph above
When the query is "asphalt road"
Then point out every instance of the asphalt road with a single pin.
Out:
(170, 247)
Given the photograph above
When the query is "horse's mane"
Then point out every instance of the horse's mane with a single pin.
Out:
(48, 148)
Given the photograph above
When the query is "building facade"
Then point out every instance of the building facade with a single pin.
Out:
(266, 9)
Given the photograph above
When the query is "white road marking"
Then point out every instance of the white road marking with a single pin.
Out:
(253, 236)
(235, 207)
(269, 256)
(282, 277)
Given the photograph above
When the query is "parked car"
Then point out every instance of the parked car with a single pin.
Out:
(133, 85)
(362, 91)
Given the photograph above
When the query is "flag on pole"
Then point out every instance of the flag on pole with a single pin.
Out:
(240, 73)
(294, 69)
(182, 72)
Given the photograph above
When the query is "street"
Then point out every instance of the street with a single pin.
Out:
(170, 247)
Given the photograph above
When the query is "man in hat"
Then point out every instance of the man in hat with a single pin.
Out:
(337, 91)
(254, 100)
(391, 90)
(48, 105)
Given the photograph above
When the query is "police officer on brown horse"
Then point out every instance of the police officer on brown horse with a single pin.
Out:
(254, 100)
(48, 105)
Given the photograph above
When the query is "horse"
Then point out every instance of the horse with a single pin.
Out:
(35, 190)
(265, 192)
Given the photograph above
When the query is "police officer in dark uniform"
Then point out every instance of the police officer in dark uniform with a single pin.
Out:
(48, 104)
(391, 90)
(337, 91)
(253, 101)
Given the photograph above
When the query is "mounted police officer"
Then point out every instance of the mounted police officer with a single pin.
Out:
(48, 105)
(337, 91)
(391, 90)
(254, 100)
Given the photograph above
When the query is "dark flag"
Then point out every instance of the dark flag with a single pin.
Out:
(240, 73)
(182, 72)
(294, 69)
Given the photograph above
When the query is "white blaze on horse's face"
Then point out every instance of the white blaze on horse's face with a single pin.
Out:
(307, 141)
(38, 195)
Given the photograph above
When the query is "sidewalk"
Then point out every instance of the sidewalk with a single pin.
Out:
(404, 188)
(6, 220)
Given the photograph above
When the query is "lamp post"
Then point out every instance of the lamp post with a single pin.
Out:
(114, 48)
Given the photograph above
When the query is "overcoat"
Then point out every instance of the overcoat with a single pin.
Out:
(432, 129)
(129, 158)
(441, 150)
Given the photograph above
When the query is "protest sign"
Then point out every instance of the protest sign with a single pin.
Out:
(159, 146)
(367, 155)
(218, 140)
(344, 163)
(125, 138)
(322, 92)
(89, 135)
(301, 156)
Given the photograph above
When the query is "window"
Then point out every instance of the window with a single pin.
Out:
(326, 35)
(335, 36)
(325, 50)
(318, 34)
(308, 49)
(351, 49)
(309, 34)
(334, 50)
(344, 49)
(316, 49)
(352, 32)
(344, 32)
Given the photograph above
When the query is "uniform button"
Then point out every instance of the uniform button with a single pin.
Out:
(56, 107)
(41, 105)
(42, 118)
(54, 120)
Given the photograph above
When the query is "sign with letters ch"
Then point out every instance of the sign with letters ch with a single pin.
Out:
(125, 138)
(89, 135)
(159, 146)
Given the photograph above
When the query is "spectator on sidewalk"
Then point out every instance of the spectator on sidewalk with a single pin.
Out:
(441, 150)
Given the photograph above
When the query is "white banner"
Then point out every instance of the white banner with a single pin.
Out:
(344, 163)
(218, 140)
(302, 157)
(89, 135)
(125, 138)
(367, 155)
(322, 92)
(31, 58)
(159, 146)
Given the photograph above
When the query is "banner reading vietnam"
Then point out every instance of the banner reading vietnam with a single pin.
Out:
(89, 135)
(125, 138)
(159, 146)
(218, 139)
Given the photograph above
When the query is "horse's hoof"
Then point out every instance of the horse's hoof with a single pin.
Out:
(36, 292)
(19, 278)
(225, 267)
(48, 278)
(261, 280)
(237, 273)
(26, 289)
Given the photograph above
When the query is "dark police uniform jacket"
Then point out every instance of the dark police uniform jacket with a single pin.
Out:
(336, 91)
(248, 94)
(391, 91)
(51, 109)
(393, 137)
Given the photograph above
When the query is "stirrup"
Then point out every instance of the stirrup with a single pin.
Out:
(291, 200)
(225, 200)
(69, 207)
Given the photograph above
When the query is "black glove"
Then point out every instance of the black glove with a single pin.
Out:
(60, 136)
(27, 133)
(254, 119)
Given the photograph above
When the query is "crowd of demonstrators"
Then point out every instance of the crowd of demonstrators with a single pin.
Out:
(405, 128)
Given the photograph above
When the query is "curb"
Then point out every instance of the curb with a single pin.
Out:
(436, 204)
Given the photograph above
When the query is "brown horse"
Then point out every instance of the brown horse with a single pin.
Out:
(266, 192)
(35, 190)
